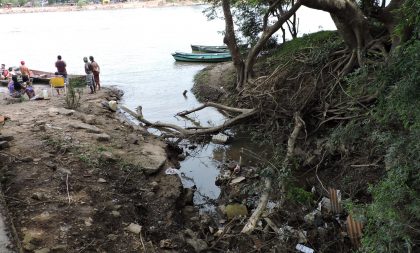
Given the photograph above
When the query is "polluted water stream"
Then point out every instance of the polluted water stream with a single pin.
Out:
(202, 162)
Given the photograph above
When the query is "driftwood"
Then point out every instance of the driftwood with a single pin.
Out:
(186, 132)
(252, 222)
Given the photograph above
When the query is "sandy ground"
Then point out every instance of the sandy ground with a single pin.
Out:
(128, 5)
(87, 181)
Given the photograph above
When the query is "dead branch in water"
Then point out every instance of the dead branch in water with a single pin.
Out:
(186, 132)
(252, 222)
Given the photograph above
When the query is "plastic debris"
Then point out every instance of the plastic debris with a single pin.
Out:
(112, 105)
(237, 180)
(304, 249)
(219, 138)
(172, 171)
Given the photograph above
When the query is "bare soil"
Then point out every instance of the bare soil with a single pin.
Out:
(72, 189)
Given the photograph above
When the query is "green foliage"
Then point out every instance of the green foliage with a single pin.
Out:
(394, 215)
(400, 80)
(73, 95)
(393, 130)
(299, 195)
(409, 18)
(313, 48)
(81, 3)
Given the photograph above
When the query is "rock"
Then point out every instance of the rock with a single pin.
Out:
(43, 217)
(107, 156)
(112, 237)
(6, 137)
(133, 139)
(134, 228)
(64, 171)
(188, 212)
(115, 213)
(4, 144)
(88, 222)
(101, 180)
(167, 244)
(149, 157)
(199, 245)
(181, 157)
(31, 239)
(102, 137)
(236, 210)
(89, 119)
(51, 165)
(55, 111)
(155, 186)
(205, 219)
(60, 248)
(27, 159)
(188, 198)
(38, 196)
(43, 250)
(87, 127)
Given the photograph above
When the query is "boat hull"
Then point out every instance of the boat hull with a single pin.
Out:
(44, 77)
(211, 57)
(210, 49)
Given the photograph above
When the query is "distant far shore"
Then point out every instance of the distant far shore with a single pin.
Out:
(111, 6)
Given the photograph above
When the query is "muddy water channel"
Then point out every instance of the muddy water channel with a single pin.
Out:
(133, 48)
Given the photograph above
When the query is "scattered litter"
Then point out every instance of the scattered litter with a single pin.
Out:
(304, 249)
(335, 196)
(101, 180)
(237, 180)
(53, 127)
(219, 138)
(354, 230)
(237, 169)
(171, 171)
(112, 105)
(134, 228)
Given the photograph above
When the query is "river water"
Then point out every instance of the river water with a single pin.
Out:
(133, 48)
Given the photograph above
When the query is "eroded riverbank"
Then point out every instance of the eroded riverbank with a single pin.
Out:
(86, 181)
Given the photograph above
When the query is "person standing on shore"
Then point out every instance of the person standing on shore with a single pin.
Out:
(95, 70)
(61, 67)
(25, 72)
(3, 72)
(89, 75)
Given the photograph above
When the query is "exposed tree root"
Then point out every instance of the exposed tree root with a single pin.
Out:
(252, 222)
(177, 131)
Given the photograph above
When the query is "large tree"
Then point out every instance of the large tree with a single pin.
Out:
(364, 25)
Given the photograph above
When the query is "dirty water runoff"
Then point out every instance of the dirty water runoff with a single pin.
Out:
(133, 48)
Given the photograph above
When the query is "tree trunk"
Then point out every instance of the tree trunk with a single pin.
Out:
(268, 31)
(231, 42)
(350, 21)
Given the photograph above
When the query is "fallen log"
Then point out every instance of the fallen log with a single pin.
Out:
(252, 222)
(187, 132)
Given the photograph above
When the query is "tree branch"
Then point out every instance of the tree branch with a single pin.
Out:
(252, 222)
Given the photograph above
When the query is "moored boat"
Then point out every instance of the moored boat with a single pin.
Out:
(4, 82)
(203, 57)
(44, 77)
(210, 49)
